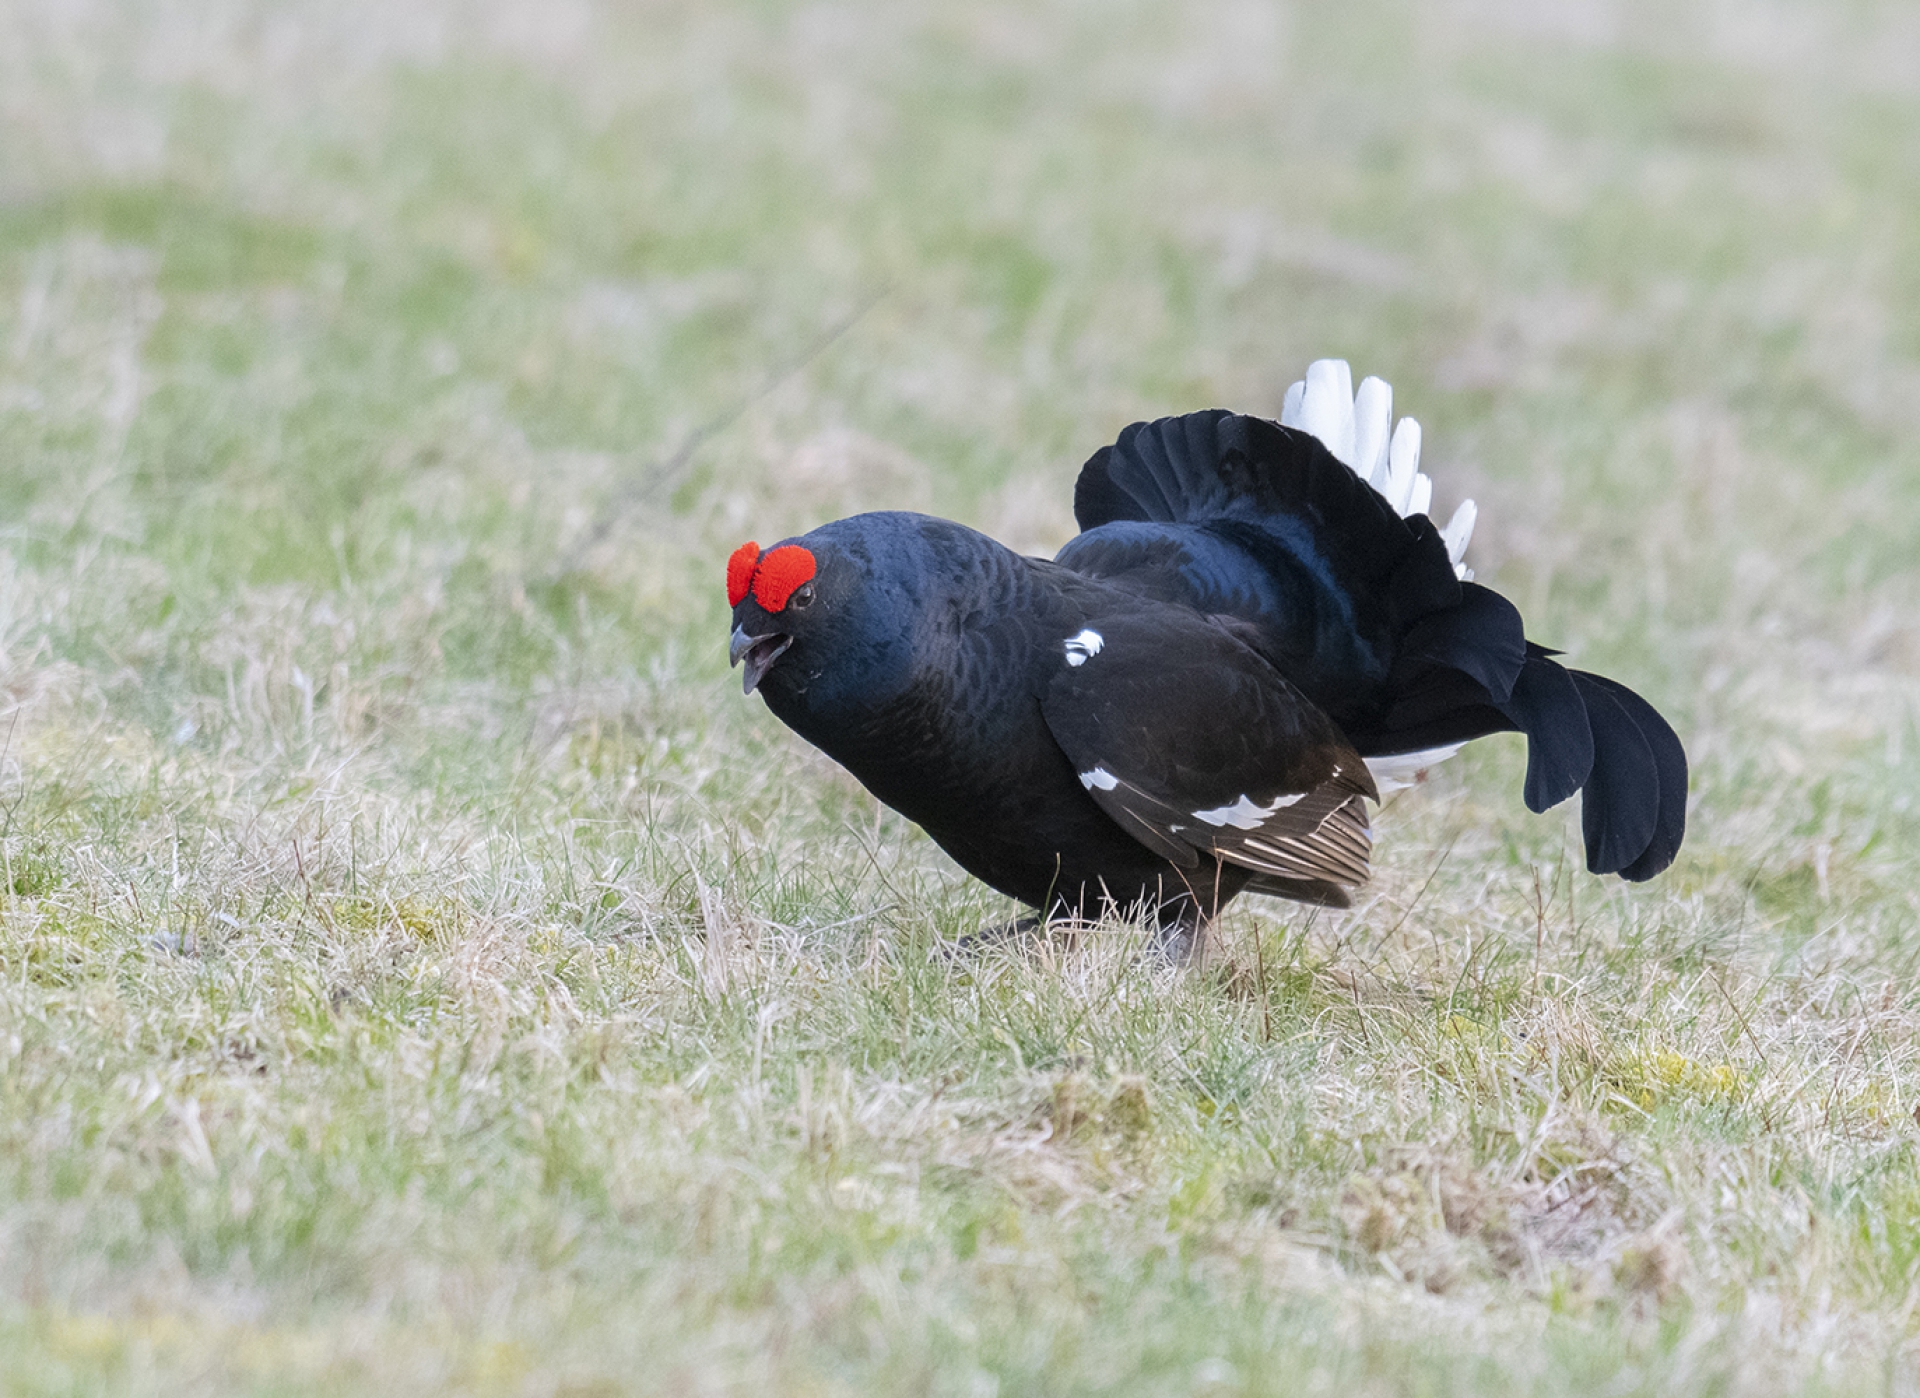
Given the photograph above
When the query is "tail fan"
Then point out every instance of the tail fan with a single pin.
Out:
(1309, 538)
(1242, 517)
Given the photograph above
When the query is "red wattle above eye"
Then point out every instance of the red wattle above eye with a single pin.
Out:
(740, 572)
(780, 574)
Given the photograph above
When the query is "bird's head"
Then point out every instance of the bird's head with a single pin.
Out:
(772, 594)
(828, 619)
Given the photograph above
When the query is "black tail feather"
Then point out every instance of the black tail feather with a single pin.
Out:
(1223, 469)
(1670, 768)
(1547, 707)
(1585, 734)
(1620, 804)
(1096, 498)
(1483, 638)
(1238, 516)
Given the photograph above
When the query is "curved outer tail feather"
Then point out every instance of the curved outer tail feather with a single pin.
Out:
(1368, 608)
(1633, 784)
(1547, 707)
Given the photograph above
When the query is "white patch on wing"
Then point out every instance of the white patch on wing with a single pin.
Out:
(1402, 769)
(1243, 814)
(1084, 647)
(1099, 777)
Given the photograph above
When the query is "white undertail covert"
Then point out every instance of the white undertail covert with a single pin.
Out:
(1354, 427)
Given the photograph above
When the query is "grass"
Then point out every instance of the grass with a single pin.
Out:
(420, 971)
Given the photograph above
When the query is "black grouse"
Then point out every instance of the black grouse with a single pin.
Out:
(1256, 632)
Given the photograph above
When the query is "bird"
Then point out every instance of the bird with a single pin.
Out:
(1257, 633)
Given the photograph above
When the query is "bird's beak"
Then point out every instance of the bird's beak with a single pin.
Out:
(758, 651)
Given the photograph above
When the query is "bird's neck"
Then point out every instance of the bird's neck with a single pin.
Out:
(939, 705)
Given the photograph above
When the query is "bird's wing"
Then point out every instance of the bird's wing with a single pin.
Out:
(1197, 746)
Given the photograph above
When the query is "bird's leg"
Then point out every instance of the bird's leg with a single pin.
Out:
(1181, 921)
(1182, 939)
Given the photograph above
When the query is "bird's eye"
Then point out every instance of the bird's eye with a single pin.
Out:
(802, 596)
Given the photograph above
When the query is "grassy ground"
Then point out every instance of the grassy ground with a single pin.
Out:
(421, 971)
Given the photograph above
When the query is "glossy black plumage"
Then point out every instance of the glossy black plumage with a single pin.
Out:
(1181, 706)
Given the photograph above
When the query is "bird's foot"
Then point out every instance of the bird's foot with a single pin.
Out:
(994, 934)
(1063, 931)
(1180, 943)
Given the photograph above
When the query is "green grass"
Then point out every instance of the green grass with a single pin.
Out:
(421, 971)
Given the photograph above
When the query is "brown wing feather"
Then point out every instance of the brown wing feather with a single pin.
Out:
(1337, 850)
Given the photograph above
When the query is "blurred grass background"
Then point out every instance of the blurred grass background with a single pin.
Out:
(419, 969)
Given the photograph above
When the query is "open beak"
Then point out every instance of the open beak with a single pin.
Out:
(758, 651)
